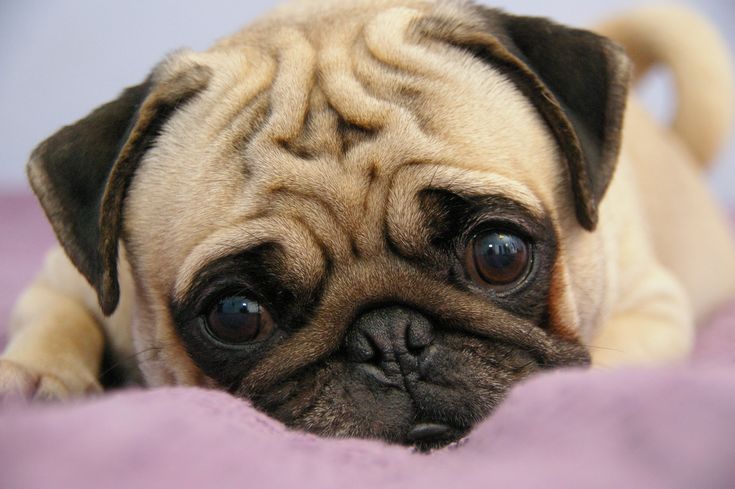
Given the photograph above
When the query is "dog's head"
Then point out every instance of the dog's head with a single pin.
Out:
(369, 221)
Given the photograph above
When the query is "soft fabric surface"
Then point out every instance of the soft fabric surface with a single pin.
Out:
(665, 428)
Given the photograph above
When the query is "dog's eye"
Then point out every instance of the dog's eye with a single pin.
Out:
(497, 258)
(237, 320)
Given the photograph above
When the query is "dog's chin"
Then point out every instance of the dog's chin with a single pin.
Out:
(425, 399)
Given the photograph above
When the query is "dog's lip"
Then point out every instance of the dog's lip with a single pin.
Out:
(428, 431)
(378, 375)
(428, 436)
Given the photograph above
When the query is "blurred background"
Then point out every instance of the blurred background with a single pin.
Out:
(61, 58)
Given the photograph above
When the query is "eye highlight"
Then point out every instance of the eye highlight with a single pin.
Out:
(237, 320)
(497, 258)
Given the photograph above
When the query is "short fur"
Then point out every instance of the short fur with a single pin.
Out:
(334, 160)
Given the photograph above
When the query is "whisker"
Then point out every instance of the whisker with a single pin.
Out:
(602, 366)
(125, 361)
(604, 348)
(527, 364)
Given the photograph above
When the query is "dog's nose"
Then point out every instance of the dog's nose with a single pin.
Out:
(391, 338)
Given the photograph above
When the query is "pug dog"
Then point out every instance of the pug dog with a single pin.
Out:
(373, 218)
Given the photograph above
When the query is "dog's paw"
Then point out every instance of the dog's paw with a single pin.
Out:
(20, 382)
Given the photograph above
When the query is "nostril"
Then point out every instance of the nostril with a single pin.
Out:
(380, 336)
(359, 347)
(419, 335)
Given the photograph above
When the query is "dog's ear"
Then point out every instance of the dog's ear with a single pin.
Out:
(588, 76)
(577, 80)
(82, 173)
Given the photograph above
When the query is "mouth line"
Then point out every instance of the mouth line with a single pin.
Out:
(427, 436)
(424, 425)
(427, 432)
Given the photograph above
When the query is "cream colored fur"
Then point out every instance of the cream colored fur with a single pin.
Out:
(634, 288)
(701, 65)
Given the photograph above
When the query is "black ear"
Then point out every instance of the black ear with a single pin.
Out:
(81, 174)
(577, 80)
(588, 75)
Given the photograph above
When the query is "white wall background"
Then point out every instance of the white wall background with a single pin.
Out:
(61, 58)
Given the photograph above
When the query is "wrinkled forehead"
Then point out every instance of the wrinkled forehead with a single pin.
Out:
(328, 135)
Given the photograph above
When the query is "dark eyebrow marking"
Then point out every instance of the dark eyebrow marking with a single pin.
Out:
(450, 214)
(256, 273)
(452, 221)
(249, 268)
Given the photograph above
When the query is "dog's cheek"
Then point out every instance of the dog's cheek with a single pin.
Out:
(470, 376)
(160, 356)
(289, 400)
(582, 279)
(562, 311)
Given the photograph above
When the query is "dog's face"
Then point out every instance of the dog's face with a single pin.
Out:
(357, 222)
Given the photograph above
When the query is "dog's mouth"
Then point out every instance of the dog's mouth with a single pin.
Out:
(430, 436)
(409, 387)
(427, 409)
(345, 407)
(399, 379)
(414, 403)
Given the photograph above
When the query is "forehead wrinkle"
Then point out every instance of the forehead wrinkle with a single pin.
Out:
(292, 85)
(239, 78)
(344, 92)
(339, 191)
(327, 60)
(349, 185)
(309, 55)
(305, 258)
(320, 219)
(397, 51)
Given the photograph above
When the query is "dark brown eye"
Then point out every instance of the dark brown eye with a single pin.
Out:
(497, 258)
(237, 320)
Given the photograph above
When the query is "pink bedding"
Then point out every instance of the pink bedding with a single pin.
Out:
(665, 428)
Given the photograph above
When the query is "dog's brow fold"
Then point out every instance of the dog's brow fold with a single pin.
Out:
(307, 266)
(237, 239)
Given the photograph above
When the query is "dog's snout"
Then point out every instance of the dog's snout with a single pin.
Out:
(387, 336)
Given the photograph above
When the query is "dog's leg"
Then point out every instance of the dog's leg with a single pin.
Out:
(653, 325)
(56, 343)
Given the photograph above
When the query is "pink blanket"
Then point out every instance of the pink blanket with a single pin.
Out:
(664, 428)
